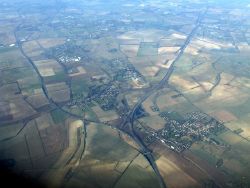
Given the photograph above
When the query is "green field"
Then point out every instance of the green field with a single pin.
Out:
(148, 49)
(58, 116)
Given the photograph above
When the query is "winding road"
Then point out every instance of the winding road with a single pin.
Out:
(130, 118)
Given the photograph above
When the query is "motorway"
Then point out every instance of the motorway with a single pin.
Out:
(130, 118)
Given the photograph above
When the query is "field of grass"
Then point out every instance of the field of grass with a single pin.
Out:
(79, 86)
(148, 49)
(106, 146)
(90, 114)
(155, 122)
(11, 75)
(137, 176)
(105, 115)
(237, 65)
(200, 150)
(30, 89)
(241, 126)
(11, 57)
(173, 175)
(10, 130)
(58, 116)
(233, 150)
(75, 110)
(105, 158)
(180, 108)
(58, 77)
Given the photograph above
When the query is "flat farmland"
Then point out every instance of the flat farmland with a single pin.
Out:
(105, 115)
(11, 75)
(51, 42)
(154, 122)
(32, 48)
(11, 58)
(105, 153)
(59, 92)
(172, 174)
(192, 175)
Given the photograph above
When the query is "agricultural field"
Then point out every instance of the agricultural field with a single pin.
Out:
(148, 93)
(103, 164)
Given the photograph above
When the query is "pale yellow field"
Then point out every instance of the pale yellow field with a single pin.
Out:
(47, 72)
(48, 67)
(192, 50)
(183, 83)
(81, 71)
(167, 50)
(178, 36)
(150, 71)
(147, 35)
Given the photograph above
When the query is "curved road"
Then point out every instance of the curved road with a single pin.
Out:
(130, 118)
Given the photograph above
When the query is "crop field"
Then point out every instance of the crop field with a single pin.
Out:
(105, 115)
(240, 126)
(109, 93)
(154, 122)
(109, 161)
(35, 148)
(32, 48)
(148, 49)
(233, 154)
(11, 58)
(171, 163)
(51, 42)
(173, 174)
(130, 50)
(237, 65)
(11, 75)
(59, 92)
